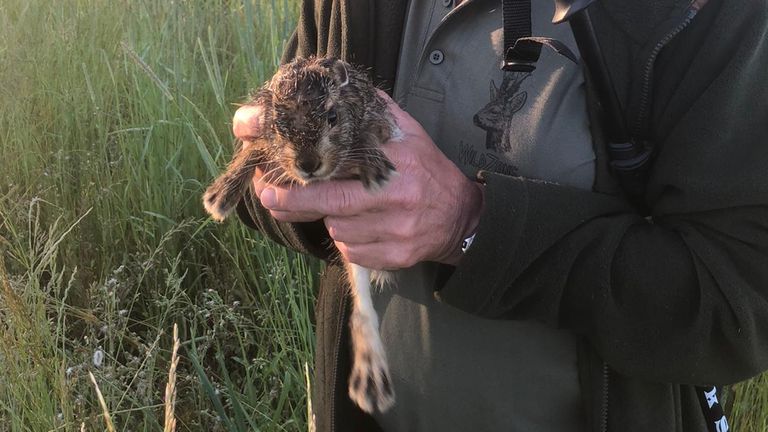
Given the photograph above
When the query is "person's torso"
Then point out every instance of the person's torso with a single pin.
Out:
(453, 371)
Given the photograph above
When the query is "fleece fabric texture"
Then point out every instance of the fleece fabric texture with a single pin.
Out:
(671, 298)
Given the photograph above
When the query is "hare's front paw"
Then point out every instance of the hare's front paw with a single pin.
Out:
(222, 197)
(377, 171)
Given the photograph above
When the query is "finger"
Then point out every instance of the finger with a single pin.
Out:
(258, 184)
(267, 175)
(284, 216)
(247, 122)
(355, 229)
(377, 256)
(335, 198)
(296, 216)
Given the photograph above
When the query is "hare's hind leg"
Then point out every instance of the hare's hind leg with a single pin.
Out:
(370, 386)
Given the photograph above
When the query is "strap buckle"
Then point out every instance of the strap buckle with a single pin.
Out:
(522, 56)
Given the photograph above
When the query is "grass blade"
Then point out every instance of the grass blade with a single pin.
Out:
(103, 404)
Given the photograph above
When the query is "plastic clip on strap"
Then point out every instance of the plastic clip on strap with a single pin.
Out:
(628, 156)
(521, 50)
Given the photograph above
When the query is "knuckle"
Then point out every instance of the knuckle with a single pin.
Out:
(407, 162)
(401, 258)
(338, 199)
(345, 202)
(405, 229)
(333, 228)
(412, 196)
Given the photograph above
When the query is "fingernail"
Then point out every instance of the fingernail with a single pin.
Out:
(268, 197)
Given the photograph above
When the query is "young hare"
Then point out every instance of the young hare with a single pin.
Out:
(322, 119)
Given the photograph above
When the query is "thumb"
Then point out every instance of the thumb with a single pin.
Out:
(248, 122)
(403, 119)
(334, 198)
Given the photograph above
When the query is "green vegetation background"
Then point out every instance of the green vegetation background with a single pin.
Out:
(114, 116)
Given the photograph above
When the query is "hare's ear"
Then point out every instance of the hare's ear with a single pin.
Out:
(268, 87)
(337, 69)
(341, 74)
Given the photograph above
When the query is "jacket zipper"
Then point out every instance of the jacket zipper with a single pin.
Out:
(604, 404)
(640, 119)
(337, 351)
(645, 90)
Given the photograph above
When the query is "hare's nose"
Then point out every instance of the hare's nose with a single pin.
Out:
(309, 164)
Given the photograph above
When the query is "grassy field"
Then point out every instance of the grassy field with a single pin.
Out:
(115, 115)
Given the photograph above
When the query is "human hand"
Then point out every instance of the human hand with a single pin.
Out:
(422, 214)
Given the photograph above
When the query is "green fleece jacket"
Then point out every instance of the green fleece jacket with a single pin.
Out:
(662, 300)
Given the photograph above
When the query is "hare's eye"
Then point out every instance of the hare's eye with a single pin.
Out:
(331, 116)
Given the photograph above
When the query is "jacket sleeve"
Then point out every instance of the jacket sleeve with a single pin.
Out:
(680, 296)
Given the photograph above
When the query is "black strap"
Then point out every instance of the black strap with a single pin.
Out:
(516, 16)
(521, 50)
(629, 156)
(517, 21)
(709, 397)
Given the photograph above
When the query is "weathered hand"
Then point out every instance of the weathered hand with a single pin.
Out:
(422, 214)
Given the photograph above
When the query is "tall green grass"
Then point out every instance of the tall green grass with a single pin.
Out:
(115, 115)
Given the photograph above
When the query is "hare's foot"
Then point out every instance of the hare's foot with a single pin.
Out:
(370, 386)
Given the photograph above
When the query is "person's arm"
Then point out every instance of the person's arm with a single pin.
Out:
(681, 296)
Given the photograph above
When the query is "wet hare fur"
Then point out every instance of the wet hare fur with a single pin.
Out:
(322, 119)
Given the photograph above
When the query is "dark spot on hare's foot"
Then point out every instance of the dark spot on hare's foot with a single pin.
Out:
(370, 388)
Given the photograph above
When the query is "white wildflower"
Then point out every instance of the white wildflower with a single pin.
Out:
(98, 357)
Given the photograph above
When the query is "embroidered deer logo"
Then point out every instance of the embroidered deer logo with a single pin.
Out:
(496, 116)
